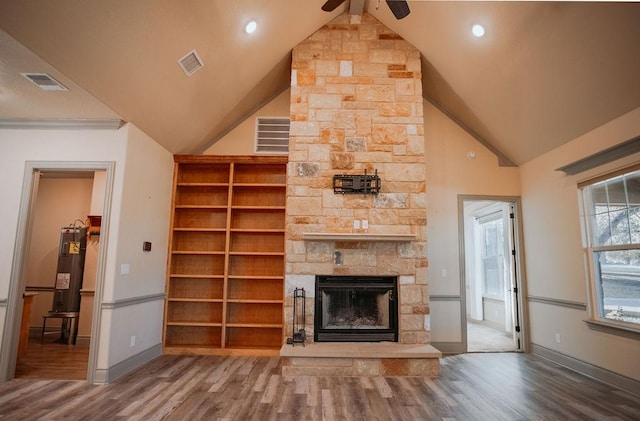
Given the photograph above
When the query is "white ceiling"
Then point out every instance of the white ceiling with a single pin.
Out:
(545, 72)
(20, 99)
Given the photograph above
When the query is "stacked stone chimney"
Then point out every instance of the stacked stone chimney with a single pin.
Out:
(356, 106)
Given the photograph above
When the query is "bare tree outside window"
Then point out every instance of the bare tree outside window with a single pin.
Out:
(613, 216)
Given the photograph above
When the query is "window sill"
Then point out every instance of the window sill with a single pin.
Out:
(614, 329)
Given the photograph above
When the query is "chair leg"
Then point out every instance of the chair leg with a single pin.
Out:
(44, 325)
(73, 331)
(63, 330)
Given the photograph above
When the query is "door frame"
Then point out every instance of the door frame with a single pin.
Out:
(11, 332)
(519, 262)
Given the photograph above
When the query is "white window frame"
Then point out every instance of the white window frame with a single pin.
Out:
(495, 217)
(597, 319)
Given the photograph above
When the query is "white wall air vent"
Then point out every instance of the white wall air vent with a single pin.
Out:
(45, 82)
(272, 135)
(191, 62)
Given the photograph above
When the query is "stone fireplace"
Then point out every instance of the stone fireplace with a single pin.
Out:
(356, 108)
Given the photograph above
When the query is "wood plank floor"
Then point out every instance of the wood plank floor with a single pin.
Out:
(52, 360)
(507, 386)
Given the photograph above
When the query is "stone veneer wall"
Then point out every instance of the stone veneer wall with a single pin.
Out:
(356, 105)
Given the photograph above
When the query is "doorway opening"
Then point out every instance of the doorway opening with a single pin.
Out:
(490, 250)
(53, 312)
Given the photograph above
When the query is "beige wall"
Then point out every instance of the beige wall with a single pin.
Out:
(555, 258)
(91, 261)
(143, 215)
(60, 202)
(451, 172)
(140, 207)
(241, 140)
(88, 290)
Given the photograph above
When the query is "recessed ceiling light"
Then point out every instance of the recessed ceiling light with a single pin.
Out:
(478, 30)
(251, 27)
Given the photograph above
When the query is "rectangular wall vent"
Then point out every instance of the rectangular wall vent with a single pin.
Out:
(272, 135)
(191, 62)
(45, 81)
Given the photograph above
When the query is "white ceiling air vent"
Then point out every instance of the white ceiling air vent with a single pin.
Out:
(45, 82)
(191, 62)
(272, 135)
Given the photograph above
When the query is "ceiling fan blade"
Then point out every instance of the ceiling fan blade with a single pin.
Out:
(331, 5)
(399, 8)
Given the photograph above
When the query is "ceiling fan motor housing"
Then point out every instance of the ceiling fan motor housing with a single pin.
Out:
(399, 8)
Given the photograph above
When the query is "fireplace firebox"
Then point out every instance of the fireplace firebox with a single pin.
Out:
(356, 309)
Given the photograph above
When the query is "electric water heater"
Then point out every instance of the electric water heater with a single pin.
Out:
(71, 253)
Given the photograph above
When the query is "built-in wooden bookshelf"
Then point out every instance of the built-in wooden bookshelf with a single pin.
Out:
(225, 277)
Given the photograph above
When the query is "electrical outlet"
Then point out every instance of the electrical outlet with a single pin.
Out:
(557, 338)
(365, 224)
(132, 343)
(356, 224)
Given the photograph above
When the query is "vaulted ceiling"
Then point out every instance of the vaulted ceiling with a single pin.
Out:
(543, 74)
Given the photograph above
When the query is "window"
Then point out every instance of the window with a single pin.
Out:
(612, 216)
(491, 254)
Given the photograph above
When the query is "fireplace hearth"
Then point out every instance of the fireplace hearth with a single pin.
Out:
(356, 309)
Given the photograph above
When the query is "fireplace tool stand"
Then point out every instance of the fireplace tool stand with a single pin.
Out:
(299, 318)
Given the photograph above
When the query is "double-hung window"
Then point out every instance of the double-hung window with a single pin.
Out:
(612, 218)
(492, 255)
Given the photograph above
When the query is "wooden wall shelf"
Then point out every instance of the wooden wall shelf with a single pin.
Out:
(347, 236)
(225, 283)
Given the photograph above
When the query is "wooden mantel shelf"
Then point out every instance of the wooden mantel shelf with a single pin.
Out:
(349, 236)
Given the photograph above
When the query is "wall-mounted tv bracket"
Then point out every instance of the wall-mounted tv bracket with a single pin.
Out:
(356, 184)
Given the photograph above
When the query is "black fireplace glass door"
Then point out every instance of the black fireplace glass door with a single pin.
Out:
(350, 308)
(356, 309)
